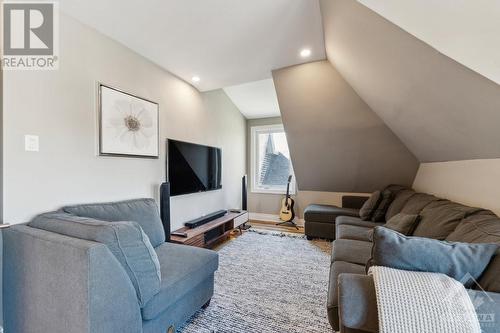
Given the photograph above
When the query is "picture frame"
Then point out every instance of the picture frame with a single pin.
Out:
(129, 125)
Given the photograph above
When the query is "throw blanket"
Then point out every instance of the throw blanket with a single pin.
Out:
(416, 302)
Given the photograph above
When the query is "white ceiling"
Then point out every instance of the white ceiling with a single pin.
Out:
(255, 99)
(224, 42)
(464, 30)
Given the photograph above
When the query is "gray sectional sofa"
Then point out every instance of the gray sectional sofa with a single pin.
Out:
(352, 303)
(102, 268)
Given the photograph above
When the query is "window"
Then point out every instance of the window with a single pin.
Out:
(270, 160)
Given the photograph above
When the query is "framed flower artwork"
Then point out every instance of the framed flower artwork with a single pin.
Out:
(128, 125)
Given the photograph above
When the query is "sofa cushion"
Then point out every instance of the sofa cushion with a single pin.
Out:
(357, 303)
(350, 220)
(327, 213)
(368, 208)
(126, 240)
(482, 228)
(395, 189)
(381, 210)
(457, 260)
(182, 268)
(400, 200)
(403, 223)
(416, 203)
(337, 268)
(353, 251)
(142, 211)
(346, 231)
(440, 218)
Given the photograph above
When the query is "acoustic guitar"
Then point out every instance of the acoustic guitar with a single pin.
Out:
(287, 214)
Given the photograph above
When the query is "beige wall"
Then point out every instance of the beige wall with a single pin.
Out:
(60, 107)
(269, 204)
(472, 182)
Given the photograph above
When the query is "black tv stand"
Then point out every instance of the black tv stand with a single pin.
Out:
(210, 233)
(205, 219)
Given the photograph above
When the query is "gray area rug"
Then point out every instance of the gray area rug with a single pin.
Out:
(268, 282)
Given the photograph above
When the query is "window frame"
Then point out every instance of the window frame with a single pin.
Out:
(254, 160)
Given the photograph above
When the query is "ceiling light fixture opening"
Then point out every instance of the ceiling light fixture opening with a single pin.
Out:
(195, 78)
(305, 53)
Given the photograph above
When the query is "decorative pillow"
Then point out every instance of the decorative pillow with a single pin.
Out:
(385, 201)
(366, 212)
(143, 211)
(126, 240)
(403, 223)
(489, 281)
(483, 227)
(461, 261)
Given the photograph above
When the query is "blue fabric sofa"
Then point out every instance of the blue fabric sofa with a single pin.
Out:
(102, 268)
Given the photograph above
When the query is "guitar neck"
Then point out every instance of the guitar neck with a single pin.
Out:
(288, 189)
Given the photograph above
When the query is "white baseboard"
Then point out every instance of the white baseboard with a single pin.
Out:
(272, 218)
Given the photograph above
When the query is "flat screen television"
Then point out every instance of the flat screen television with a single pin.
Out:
(193, 168)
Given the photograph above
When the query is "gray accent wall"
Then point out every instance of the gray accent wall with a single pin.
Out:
(60, 107)
(337, 143)
(270, 204)
(440, 109)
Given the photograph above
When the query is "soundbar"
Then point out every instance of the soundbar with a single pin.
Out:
(205, 219)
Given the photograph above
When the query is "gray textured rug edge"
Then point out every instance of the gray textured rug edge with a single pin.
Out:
(267, 282)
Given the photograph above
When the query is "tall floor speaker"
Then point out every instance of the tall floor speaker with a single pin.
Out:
(165, 209)
(244, 192)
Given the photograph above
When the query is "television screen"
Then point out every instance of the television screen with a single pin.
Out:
(193, 168)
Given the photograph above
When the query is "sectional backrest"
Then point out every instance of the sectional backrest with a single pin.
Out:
(143, 211)
(446, 220)
(438, 217)
(482, 227)
(400, 199)
(125, 239)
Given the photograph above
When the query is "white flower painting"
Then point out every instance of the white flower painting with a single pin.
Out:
(128, 124)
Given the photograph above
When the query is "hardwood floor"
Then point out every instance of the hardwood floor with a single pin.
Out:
(324, 245)
(261, 225)
(272, 226)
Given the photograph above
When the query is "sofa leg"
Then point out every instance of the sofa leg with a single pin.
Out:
(309, 238)
(206, 304)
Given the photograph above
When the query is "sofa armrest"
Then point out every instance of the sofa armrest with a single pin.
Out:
(357, 303)
(353, 201)
(54, 283)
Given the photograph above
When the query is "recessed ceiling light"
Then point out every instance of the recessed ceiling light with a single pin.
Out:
(305, 53)
(195, 79)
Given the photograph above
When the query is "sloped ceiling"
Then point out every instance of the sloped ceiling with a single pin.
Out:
(224, 42)
(337, 143)
(466, 31)
(255, 99)
(440, 109)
